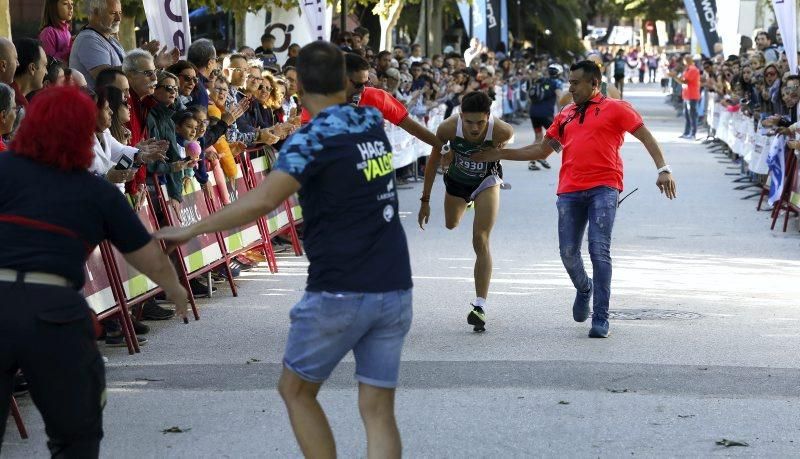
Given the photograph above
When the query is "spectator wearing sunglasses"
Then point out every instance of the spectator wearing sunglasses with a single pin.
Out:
(161, 126)
(393, 111)
(187, 80)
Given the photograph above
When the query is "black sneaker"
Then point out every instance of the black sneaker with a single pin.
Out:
(533, 167)
(119, 340)
(199, 289)
(544, 163)
(477, 318)
(152, 311)
(139, 328)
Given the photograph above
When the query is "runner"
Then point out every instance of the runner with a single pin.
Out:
(468, 181)
(590, 132)
(543, 94)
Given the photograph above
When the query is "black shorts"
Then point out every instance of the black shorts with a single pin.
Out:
(541, 122)
(463, 190)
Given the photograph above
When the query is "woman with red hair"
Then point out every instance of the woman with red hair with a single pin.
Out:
(53, 212)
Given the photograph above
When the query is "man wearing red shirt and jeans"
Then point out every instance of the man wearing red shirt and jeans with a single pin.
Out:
(690, 79)
(589, 134)
(359, 94)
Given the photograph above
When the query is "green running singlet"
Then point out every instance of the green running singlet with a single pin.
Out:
(463, 169)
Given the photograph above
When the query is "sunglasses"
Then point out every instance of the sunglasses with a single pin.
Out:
(264, 88)
(359, 86)
(771, 74)
(189, 79)
(147, 73)
(168, 87)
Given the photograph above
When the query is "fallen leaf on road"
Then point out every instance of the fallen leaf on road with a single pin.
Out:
(618, 391)
(563, 402)
(684, 416)
(149, 379)
(728, 443)
(175, 429)
(252, 361)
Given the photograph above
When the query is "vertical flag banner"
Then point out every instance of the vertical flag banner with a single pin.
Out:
(479, 20)
(786, 14)
(463, 8)
(504, 24)
(493, 29)
(314, 11)
(168, 21)
(703, 14)
(288, 27)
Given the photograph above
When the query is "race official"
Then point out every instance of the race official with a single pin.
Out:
(53, 213)
(589, 134)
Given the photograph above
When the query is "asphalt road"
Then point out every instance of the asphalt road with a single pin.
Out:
(703, 347)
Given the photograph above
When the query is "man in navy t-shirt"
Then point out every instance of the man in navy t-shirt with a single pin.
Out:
(358, 295)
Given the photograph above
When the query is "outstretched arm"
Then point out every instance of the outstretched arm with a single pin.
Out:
(665, 182)
(532, 152)
(419, 131)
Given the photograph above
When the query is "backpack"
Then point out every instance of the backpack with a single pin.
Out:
(542, 90)
(619, 68)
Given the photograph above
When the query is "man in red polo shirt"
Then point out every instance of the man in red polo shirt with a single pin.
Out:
(589, 134)
(392, 109)
(690, 79)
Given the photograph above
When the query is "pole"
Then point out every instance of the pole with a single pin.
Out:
(343, 16)
(425, 31)
(519, 21)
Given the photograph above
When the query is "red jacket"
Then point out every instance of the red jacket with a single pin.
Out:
(138, 126)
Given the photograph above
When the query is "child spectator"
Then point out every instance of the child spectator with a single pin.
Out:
(55, 35)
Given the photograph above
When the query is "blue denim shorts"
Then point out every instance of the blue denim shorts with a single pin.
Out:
(326, 326)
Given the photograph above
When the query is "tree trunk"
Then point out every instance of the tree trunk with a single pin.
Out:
(419, 37)
(5, 20)
(127, 32)
(435, 28)
(388, 12)
(612, 22)
(239, 18)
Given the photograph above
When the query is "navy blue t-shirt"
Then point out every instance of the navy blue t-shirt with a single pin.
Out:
(353, 236)
(544, 108)
(75, 211)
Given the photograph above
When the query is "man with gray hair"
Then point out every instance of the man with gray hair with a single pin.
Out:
(8, 113)
(95, 47)
(203, 55)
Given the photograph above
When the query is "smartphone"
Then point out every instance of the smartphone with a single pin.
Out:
(124, 164)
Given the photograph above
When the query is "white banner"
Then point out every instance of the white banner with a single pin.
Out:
(168, 21)
(288, 27)
(786, 14)
(315, 10)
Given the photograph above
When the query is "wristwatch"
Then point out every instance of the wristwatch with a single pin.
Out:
(666, 169)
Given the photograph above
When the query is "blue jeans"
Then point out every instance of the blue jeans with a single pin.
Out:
(597, 207)
(690, 113)
(326, 326)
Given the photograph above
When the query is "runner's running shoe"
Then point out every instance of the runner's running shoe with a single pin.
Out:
(477, 318)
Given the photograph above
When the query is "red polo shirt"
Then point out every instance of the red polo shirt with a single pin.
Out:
(590, 147)
(691, 90)
(392, 109)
